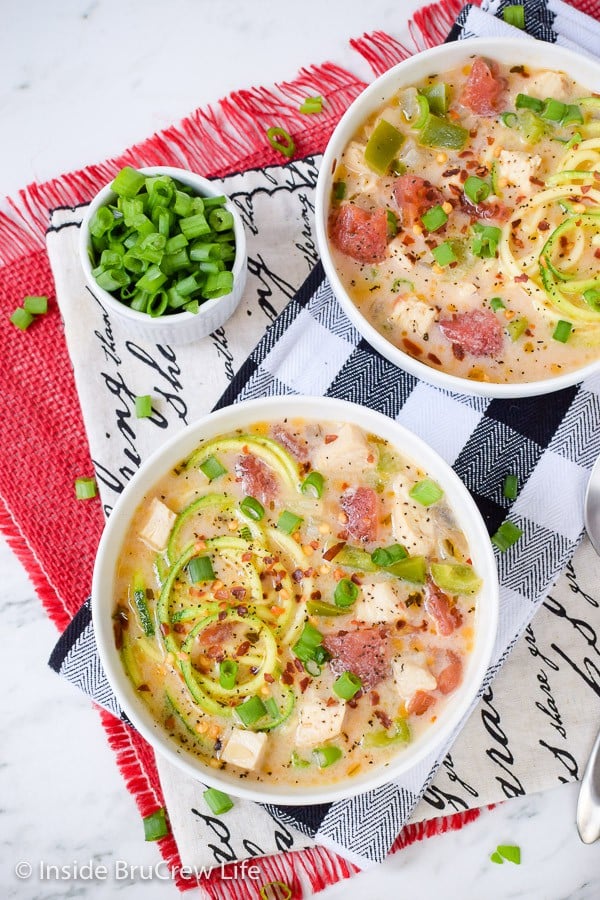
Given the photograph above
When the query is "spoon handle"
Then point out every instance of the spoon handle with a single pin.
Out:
(588, 804)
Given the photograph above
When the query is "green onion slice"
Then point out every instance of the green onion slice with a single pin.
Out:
(289, 522)
(562, 331)
(345, 593)
(251, 711)
(37, 305)
(251, 507)
(282, 141)
(200, 569)
(434, 219)
(85, 488)
(228, 669)
(313, 484)
(347, 685)
(510, 852)
(21, 318)
(156, 825)
(212, 468)
(217, 801)
(426, 492)
(524, 101)
(507, 535)
(143, 406)
(444, 254)
(311, 105)
(476, 189)
(514, 15)
(387, 556)
(511, 487)
(327, 756)
(497, 303)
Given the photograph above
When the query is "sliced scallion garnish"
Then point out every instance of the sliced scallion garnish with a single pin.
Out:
(289, 522)
(212, 468)
(252, 508)
(218, 801)
(156, 825)
(85, 488)
(200, 569)
(143, 406)
(426, 492)
(507, 535)
(347, 685)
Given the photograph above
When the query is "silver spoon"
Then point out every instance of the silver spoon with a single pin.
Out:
(588, 804)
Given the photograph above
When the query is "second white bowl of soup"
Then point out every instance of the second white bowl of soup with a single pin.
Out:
(295, 600)
(458, 216)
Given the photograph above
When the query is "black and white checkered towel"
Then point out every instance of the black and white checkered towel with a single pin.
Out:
(550, 443)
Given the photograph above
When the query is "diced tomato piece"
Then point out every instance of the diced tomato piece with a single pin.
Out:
(414, 195)
(360, 505)
(257, 479)
(296, 445)
(359, 233)
(419, 703)
(451, 675)
(483, 89)
(365, 652)
(476, 331)
(437, 604)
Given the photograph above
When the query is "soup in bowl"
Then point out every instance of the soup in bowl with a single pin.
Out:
(295, 600)
(458, 216)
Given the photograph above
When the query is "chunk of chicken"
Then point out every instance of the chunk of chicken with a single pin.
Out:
(377, 603)
(412, 524)
(349, 452)
(318, 722)
(410, 678)
(518, 168)
(158, 525)
(412, 315)
(245, 748)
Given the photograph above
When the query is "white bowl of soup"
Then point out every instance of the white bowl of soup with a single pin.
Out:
(295, 600)
(457, 216)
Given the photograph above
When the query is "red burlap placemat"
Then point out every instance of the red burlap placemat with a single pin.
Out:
(43, 435)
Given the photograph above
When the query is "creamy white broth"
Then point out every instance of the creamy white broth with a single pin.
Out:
(405, 294)
(406, 640)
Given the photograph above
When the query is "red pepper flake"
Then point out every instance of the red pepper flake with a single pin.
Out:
(543, 225)
(238, 592)
(222, 615)
(287, 678)
(333, 551)
(597, 253)
(352, 703)
(522, 278)
(118, 634)
(330, 438)
(383, 718)
(458, 351)
(298, 665)
(407, 239)
(242, 611)
(355, 579)
(316, 595)
(179, 628)
(463, 175)
(269, 678)
(304, 684)
(412, 348)
(434, 359)
(170, 723)
(243, 648)
(314, 545)
(143, 687)
(374, 698)
(448, 173)
(221, 594)
(289, 666)
(585, 188)
(247, 556)
(536, 181)
(331, 701)
(165, 628)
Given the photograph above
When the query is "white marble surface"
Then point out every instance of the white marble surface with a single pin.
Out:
(80, 80)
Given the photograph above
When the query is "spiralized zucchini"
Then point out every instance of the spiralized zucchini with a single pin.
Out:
(558, 263)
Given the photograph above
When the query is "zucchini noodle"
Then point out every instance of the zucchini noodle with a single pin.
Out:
(560, 263)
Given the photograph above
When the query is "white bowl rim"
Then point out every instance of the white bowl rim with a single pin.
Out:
(369, 100)
(205, 187)
(271, 408)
